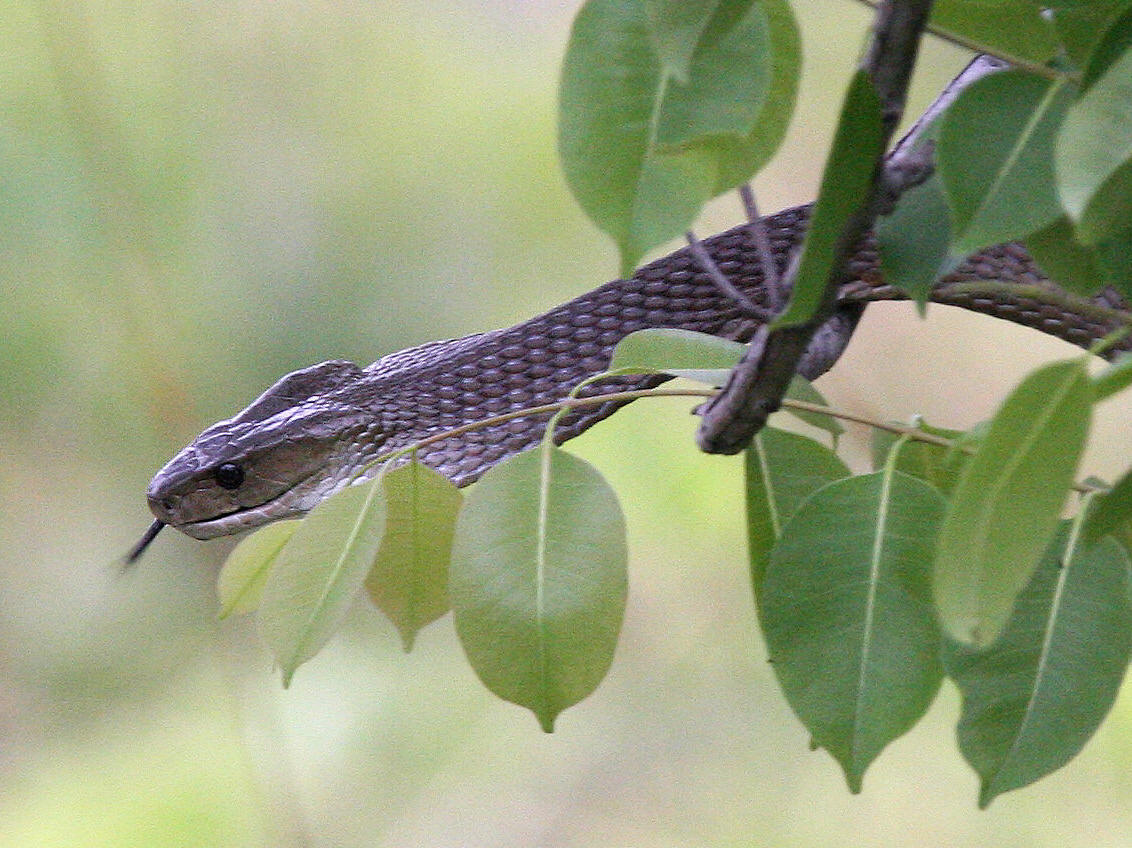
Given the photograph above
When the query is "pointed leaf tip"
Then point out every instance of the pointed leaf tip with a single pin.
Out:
(1035, 697)
(538, 579)
(846, 611)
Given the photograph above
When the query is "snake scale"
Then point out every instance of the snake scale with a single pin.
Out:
(307, 435)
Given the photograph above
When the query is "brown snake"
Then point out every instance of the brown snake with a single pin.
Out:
(308, 435)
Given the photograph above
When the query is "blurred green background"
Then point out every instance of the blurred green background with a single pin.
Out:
(198, 198)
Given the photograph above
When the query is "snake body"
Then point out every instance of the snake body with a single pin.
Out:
(308, 435)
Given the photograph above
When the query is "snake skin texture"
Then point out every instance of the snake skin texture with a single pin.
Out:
(540, 360)
(311, 433)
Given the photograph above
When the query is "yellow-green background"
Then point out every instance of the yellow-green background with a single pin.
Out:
(198, 197)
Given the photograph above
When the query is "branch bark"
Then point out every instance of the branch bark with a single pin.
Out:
(758, 383)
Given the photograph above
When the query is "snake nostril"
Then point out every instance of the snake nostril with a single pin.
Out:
(167, 504)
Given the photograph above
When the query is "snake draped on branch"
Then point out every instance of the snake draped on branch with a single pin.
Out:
(309, 434)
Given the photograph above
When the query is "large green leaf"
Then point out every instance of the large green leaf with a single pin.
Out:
(727, 80)
(995, 157)
(913, 241)
(241, 580)
(677, 27)
(1083, 268)
(1008, 499)
(847, 613)
(1013, 29)
(1116, 39)
(782, 470)
(317, 575)
(1032, 700)
(641, 149)
(409, 579)
(739, 158)
(538, 579)
(845, 183)
(1094, 155)
(1072, 265)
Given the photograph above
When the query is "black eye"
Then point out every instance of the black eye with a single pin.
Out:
(228, 475)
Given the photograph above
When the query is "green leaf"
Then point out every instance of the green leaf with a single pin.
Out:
(677, 26)
(913, 241)
(241, 580)
(1074, 266)
(995, 158)
(1094, 155)
(1081, 26)
(1032, 700)
(681, 353)
(1114, 254)
(1116, 39)
(1112, 511)
(1083, 268)
(1008, 500)
(1011, 29)
(740, 158)
(727, 83)
(802, 389)
(783, 469)
(845, 183)
(409, 578)
(538, 580)
(1116, 378)
(846, 610)
(317, 575)
(934, 464)
(642, 151)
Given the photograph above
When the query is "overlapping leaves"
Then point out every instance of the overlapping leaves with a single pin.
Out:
(665, 104)
(534, 565)
(1039, 158)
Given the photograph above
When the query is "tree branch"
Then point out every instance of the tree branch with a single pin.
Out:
(758, 383)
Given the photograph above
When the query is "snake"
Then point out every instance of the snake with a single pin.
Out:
(320, 428)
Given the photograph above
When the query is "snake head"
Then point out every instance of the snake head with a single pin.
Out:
(278, 458)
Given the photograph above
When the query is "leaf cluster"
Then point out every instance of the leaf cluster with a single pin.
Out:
(952, 558)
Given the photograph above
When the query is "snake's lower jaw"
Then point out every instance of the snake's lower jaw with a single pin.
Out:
(226, 525)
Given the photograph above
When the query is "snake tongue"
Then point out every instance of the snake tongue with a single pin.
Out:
(143, 543)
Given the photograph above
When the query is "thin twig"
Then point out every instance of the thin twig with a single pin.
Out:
(757, 229)
(749, 307)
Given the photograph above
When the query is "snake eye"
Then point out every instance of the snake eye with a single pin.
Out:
(228, 475)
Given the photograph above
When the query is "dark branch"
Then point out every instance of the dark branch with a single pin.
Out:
(758, 383)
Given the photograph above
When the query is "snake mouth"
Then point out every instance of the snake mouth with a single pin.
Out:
(292, 501)
(243, 518)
